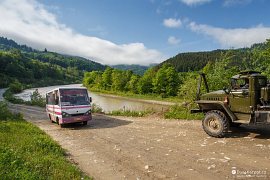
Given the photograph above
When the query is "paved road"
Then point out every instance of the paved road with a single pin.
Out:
(154, 148)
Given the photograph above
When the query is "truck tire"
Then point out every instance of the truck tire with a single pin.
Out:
(85, 123)
(215, 123)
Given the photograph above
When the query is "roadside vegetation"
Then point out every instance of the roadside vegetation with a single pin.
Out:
(26, 152)
(130, 113)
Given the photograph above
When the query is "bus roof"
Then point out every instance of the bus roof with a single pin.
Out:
(65, 88)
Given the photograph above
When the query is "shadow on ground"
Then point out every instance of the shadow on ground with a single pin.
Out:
(99, 122)
(257, 131)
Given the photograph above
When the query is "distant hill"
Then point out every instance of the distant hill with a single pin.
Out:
(52, 57)
(31, 66)
(194, 61)
(136, 69)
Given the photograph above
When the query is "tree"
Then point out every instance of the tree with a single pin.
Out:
(107, 78)
(145, 83)
(166, 81)
(120, 80)
(172, 81)
(133, 83)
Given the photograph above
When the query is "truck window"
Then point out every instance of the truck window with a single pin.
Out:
(242, 83)
(262, 82)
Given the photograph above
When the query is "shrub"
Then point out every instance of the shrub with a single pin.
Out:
(96, 108)
(5, 114)
(16, 87)
(37, 99)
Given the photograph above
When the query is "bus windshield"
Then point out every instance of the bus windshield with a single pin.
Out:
(73, 97)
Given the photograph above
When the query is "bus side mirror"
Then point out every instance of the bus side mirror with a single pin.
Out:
(90, 99)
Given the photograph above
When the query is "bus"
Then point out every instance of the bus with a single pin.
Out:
(66, 105)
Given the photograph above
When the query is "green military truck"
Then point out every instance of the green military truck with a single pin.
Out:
(246, 101)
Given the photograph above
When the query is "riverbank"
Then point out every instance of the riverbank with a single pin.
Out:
(150, 98)
(135, 98)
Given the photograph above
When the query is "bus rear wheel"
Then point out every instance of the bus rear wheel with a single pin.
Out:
(51, 119)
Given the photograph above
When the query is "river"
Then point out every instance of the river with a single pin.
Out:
(106, 102)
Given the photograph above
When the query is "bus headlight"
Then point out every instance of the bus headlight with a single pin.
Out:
(88, 112)
(64, 114)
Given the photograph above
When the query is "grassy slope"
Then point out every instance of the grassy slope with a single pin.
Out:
(26, 152)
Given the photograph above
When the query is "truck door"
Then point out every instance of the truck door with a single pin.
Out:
(240, 96)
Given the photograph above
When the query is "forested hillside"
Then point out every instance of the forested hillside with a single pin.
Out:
(167, 80)
(194, 61)
(23, 64)
(136, 69)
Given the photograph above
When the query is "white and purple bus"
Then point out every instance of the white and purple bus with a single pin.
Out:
(68, 105)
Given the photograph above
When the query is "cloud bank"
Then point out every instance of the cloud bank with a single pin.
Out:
(194, 2)
(28, 22)
(229, 3)
(237, 37)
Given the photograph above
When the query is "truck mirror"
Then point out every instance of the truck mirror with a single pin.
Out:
(90, 99)
(227, 90)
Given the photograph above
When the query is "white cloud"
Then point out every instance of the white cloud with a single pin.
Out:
(195, 2)
(172, 23)
(173, 40)
(237, 37)
(236, 2)
(28, 22)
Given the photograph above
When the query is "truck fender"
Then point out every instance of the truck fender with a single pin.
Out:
(216, 105)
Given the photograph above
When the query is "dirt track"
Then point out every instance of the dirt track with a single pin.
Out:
(153, 148)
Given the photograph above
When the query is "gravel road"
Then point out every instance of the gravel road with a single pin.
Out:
(154, 148)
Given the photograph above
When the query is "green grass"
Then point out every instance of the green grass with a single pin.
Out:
(26, 152)
(129, 113)
(182, 112)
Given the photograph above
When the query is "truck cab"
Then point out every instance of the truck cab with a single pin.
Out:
(246, 101)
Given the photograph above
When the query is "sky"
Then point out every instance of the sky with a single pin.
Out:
(134, 31)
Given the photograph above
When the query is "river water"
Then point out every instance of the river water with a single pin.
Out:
(106, 102)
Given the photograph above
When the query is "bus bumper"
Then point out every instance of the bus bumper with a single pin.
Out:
(76, 119)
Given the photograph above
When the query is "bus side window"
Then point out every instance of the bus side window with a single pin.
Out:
(47, 98)
(56, 97)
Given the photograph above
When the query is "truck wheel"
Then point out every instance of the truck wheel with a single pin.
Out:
(84, 123)
(215, 123)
